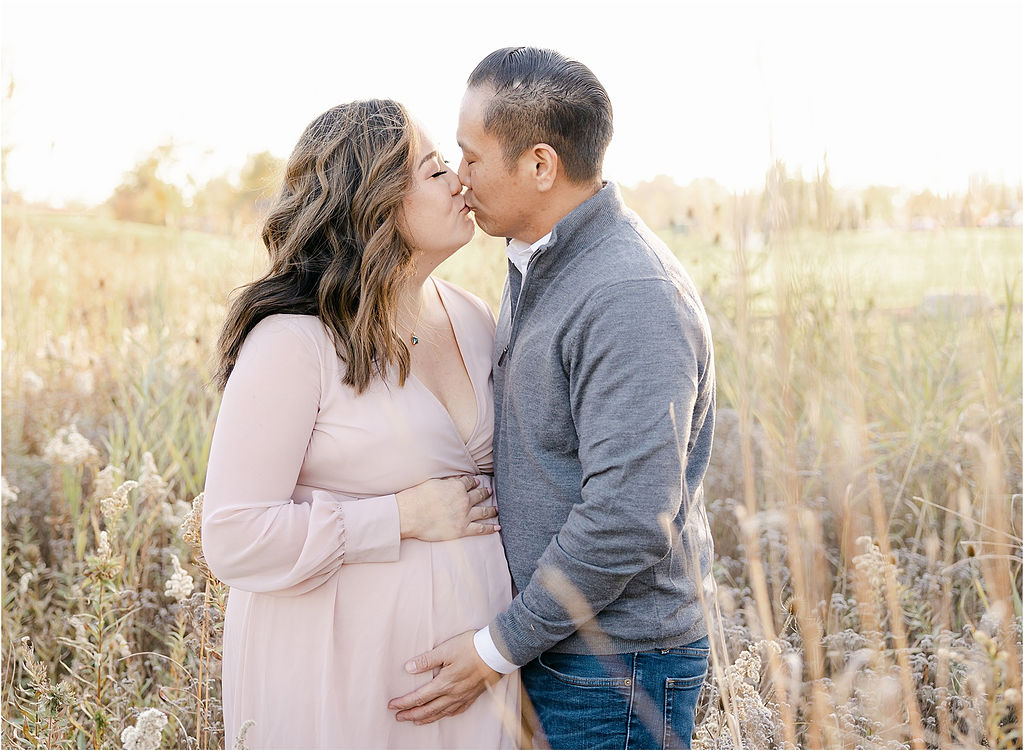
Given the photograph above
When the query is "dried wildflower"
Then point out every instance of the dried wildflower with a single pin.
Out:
(36, 669)
(151, 484)
(180, 585)
(873, 565)
(24, 581)
(105, 482)
(70, 448)
(61, 697)
(136, 335)
(242, 732)
(8, 492)
(103, 549)
(192, 524)
(172, 513)
(103, 565)
(114, 507)
(81, 634)
(120, 645)
(85, 382)
(146, 732)
(759, 723)
(32, 383)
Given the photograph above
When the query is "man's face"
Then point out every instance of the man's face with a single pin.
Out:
(501, 199)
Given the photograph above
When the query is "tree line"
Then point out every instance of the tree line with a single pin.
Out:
(233, 202)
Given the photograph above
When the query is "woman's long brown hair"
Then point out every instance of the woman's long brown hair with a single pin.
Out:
(335, 244)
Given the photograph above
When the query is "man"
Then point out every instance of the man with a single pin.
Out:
(604, 411)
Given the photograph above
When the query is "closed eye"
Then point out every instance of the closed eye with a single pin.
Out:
(438, 174)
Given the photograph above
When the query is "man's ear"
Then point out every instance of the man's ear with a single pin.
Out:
(545, 165)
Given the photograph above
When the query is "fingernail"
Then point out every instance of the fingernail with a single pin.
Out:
(410, 667)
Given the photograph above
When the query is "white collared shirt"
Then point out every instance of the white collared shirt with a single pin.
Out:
(520, 253)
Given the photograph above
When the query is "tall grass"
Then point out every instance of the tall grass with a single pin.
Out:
(865, 487)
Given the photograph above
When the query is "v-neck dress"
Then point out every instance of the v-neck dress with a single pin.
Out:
(327, 603)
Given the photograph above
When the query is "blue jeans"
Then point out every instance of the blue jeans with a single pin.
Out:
(628, 701)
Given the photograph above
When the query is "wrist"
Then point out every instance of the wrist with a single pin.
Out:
(487, 652)
(406, 517)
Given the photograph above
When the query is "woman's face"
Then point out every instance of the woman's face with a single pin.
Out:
(436, 219)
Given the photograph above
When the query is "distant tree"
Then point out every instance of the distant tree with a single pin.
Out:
(214, 206)
(825, 210)
(879, 205)
(986, 202)
(667, 206)
(788, 200)
(143, 196)
(657, 200)
(229, 206)
(258, 182)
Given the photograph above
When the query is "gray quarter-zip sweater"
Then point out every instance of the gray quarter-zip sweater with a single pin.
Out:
(604, 387)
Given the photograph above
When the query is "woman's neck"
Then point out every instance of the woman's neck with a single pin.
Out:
(414, 297)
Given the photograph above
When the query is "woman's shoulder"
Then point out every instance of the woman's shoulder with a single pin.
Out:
(283, 329)
(470, 304)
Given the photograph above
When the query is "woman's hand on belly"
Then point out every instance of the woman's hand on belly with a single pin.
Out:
(446, 509)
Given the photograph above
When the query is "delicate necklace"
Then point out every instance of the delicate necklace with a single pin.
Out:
(412, 332)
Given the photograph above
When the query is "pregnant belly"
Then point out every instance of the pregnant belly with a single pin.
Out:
(437, 589)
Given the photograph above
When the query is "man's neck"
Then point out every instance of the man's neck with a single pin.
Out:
(559, 203)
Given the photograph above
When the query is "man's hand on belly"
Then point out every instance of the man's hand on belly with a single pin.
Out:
(461, 678)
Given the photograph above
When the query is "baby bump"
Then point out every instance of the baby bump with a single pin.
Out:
(437, 589)
(471, 583)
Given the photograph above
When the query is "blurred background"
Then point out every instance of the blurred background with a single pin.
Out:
(905, 114)
(843, 182)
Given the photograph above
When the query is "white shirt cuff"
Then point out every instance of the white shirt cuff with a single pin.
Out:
(489, 653)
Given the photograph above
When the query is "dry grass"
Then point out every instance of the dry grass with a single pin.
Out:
(865, 488)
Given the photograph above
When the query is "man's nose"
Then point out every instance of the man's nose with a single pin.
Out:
(464, 173)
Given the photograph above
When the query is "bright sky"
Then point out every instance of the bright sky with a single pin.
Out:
(920, 94)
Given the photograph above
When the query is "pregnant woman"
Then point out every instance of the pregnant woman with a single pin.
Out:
(348, 489)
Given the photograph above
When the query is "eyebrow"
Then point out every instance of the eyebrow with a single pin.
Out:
(428, 156)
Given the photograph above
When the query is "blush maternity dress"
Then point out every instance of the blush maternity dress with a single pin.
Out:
(327, 603)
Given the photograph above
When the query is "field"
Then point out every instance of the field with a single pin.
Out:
(865, 488)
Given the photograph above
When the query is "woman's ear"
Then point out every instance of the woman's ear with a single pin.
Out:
(545, 165)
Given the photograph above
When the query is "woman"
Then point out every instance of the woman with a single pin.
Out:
(347, 493)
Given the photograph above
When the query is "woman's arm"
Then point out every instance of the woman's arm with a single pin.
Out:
(255, 536)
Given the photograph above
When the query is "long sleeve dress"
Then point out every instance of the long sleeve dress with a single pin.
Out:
(327, 603)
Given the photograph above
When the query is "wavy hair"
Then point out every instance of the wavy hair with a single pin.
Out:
(336, 246)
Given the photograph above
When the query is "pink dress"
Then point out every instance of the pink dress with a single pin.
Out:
(300, 519)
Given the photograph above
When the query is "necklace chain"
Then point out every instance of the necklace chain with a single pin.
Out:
(412, 332)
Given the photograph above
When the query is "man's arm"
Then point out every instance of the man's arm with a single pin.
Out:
(633, 385)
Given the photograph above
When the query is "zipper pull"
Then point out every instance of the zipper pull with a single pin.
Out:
(501, 360)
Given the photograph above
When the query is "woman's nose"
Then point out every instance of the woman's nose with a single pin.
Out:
(454, 183)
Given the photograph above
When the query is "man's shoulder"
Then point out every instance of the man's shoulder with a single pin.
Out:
(628, 250)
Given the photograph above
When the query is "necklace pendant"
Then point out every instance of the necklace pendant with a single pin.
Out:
(415, 339)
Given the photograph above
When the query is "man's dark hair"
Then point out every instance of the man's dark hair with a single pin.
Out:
(541, 96)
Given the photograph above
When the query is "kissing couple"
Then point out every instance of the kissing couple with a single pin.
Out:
(442, 530)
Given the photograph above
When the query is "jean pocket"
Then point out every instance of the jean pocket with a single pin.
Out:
(580, 670)
(681, 695)
(685, 684)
